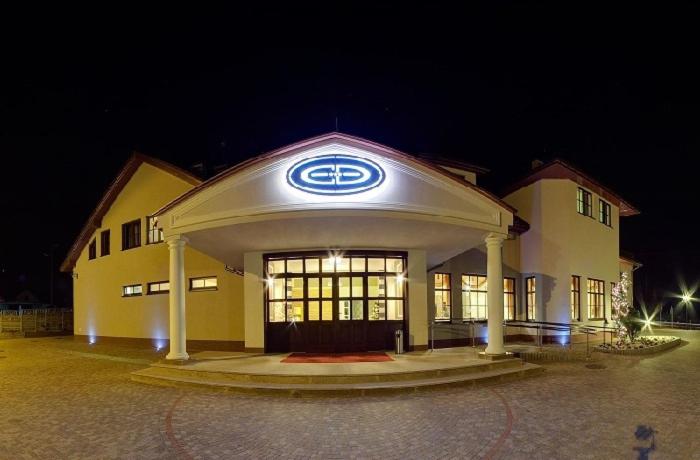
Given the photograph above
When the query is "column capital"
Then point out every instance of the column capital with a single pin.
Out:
(176, 240)
(494, 239)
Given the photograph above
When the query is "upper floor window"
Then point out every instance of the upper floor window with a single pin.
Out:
(474, 297)
(207, 283)
(92, 249)
(153, 232)
(575, 297)
(104, 243)
(159, 287)
(132, 290)
(604, 214)
(596, 299)
(443, 304)
(131, 234)
(530, 298)
(584, 202)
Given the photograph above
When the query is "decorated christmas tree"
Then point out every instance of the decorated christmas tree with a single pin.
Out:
(621, 306)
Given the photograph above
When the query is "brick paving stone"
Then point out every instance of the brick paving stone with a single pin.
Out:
(58, 402)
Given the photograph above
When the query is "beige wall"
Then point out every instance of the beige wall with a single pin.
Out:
(100, 309)
(561, 242)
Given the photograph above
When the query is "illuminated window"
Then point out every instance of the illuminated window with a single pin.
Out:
(104, 243)
(154, 233)
(159, 287)
(474, 297)
(509, 298)
(131, 234)
(596, 299)
(92, 249)
(584, 202)
(132, 290)
(531, 298)
(575, 297)
(443, 304)
(207, 283)
(604, 214)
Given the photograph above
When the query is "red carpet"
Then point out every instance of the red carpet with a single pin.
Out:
(371, 357)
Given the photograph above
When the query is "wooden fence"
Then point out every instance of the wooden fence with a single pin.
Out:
(36, 320)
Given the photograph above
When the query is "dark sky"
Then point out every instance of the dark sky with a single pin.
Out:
(613, 91)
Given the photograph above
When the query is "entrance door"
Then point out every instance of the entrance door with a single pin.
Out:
(330, 303)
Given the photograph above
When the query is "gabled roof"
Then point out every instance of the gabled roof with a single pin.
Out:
(559, 169)
(456, 164)
(95, 220)
(328, 139)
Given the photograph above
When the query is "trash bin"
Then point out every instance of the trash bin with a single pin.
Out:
(398, 342)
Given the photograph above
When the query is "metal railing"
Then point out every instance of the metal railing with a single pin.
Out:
(36, 320)
(676, 325)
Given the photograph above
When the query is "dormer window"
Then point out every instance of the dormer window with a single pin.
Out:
(584, 202)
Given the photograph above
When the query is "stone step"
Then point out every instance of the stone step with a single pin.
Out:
(155, 375)
(328, 379)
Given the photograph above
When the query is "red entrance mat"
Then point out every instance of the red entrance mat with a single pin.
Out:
(371, 357)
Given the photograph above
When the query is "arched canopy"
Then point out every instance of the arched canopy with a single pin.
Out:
(335, 191)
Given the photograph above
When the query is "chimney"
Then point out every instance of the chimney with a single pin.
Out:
(536, 163)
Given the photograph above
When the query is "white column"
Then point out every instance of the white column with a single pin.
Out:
(494, 278)
(178, 322)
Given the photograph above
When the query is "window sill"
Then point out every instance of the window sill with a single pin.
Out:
(132, 295)
(151, 243)
(133, 247)
(158, 293)
(203, 289)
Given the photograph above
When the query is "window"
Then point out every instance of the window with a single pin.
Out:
(509, 298)
(596, 299)
(474, 297)
(104, 243)
(604, 213)
(154, 234)
(92, 249)
(159, 287)
(531, 298)
(132, 290)
(131, 234)
(443, 304)
(206, 283)
(575, 297)
(349, 287)
(584, 202)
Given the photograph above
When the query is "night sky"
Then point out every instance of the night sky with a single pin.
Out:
(615, 92)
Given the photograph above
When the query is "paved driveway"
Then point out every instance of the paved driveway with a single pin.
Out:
(63, 399)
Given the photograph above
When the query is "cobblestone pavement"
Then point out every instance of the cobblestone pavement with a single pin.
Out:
(64, 399)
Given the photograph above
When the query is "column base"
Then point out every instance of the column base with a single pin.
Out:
(495, 357)
(172, 356)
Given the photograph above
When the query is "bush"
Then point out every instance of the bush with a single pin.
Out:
(633, 325)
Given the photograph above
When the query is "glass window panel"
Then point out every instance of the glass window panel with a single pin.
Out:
(327, 310)
(357, 288)
(295, 288)
(314, 311)
(276, 288)
(313, 287)
(295, 266)
(394, 265)
(277, 312)
(358, 264)
(295, 311)
(342, 264)
(210, 282)
(375, 286)
(328, 265)
(394, 309)
(197, 284)
(358, 309)
(275, 267)
(375, 264)
(344, 309)
(311, 265)
(344, 286)
(394, 286)
(327, 288)
(377, 310)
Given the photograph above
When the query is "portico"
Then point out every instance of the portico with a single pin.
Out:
(326, 204)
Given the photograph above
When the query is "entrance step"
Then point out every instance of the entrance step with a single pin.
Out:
(338, 385)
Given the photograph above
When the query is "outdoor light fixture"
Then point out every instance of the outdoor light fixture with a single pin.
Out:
(335, 175)
(686, 298)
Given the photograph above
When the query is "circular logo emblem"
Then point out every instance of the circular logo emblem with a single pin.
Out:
(335, 175)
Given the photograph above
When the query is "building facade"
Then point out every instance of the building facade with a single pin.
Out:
(336, 243)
